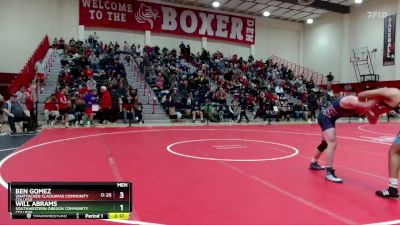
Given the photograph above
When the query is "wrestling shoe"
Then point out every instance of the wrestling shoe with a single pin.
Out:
(332, 177)
(391, 192)
(316, 166)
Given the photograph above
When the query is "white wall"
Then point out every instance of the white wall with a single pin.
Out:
(229, 48)
(328, 43)
(277, 37)
(368, 32)
(322, 44)
(273, 37)
(24, 23)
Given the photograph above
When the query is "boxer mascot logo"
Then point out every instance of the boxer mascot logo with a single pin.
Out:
(145, 14)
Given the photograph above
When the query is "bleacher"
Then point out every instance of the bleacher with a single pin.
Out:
(202, 75)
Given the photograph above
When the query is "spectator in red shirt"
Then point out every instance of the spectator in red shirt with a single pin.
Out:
(62, 105)
(105, 105)
(88, 72)
(51, 109)
(160, 81)
(271, 97)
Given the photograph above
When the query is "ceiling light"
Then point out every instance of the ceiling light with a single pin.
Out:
(310, 21)
(266, 13)
(216, 4)
(358, 1)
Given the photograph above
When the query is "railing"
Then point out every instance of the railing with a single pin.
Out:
(27, 73)
(298, 70)
(140, 78)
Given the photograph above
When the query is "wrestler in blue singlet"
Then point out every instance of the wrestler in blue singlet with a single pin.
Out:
(328, 116)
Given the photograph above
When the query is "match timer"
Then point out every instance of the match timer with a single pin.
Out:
(70, 200)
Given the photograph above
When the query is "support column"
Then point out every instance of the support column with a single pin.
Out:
(204, 43)
(147, 38)
(81, 32)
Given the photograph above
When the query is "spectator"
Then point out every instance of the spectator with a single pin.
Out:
(329, 78)
(22, 96)
(51, 109)
(138, 107)
(221, 96)
(94, 62)
(2, 114)
(1, 101)
(40, 72)
(197, 110)
(91, 101)
(127, 107)
(160, 81)
(105, 105)
(55, 43)
(65, 60)
(16, 113)
(298, 110)
(91, 83)
(243, 109)
(95, 39)
(174, 114)
(182, 47)
(312, 106)
(80, 107)
(126, 46)
(284, 110)
(279, 90)
(61, 43)
(209, 111)
(233, 111)
(87, 72)
(71, 112)
(261, 111)
(62, 105)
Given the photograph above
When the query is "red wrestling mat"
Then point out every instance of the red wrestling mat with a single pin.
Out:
(218, 174)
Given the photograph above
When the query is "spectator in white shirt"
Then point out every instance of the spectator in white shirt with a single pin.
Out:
(95, 39)
(21, 96)
(279, 90)
(126, 46)
(138, 50)
(91, 84)
(40, 72)
(94, 61)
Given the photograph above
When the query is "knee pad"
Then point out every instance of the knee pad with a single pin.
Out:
(321, 147)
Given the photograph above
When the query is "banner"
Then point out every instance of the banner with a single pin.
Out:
(389, 42)
(137, 15)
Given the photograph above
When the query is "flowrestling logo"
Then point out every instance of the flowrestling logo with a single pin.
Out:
(145, 14)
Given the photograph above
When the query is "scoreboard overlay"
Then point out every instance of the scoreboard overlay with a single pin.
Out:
(70, 200)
